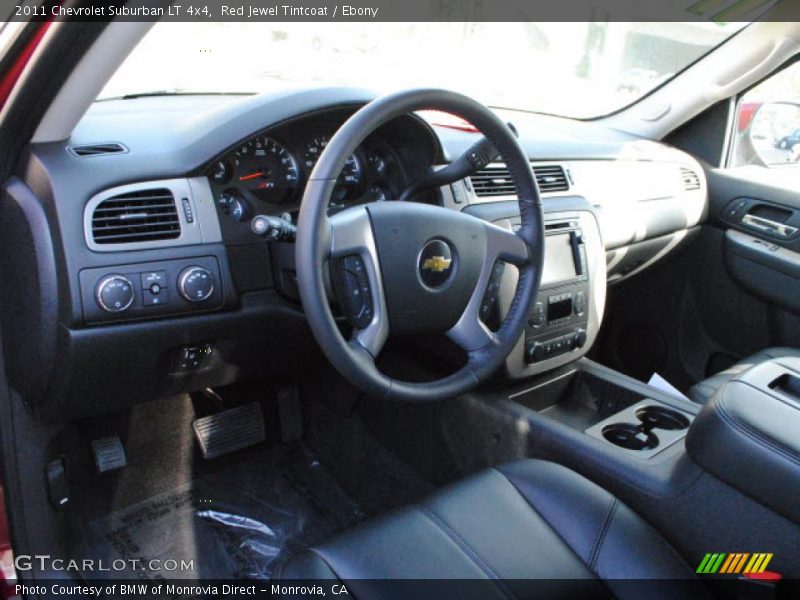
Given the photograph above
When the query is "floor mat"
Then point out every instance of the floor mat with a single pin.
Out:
(242, 522)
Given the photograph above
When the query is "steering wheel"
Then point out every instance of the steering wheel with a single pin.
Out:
(415, 269)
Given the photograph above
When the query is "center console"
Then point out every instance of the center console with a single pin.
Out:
(687, 469)
(746, 435)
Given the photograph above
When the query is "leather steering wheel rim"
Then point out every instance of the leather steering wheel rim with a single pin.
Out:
(319, 237)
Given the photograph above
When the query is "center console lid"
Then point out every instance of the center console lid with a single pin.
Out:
(748, 435)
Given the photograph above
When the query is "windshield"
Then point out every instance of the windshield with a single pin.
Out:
(580, 70)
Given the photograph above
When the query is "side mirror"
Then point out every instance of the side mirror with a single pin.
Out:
(769, 134)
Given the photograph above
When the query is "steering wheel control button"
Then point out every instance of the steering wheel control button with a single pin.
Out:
(195, 284)
(489, 300)
(356, 286)
(114, 293)
(436, 263)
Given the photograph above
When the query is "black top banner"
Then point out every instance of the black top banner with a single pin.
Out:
(720, 11)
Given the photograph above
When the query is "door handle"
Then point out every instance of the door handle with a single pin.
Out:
(769, 226)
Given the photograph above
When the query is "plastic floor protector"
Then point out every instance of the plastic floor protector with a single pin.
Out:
(236, 524)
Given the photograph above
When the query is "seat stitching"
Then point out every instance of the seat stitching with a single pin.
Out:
(468, 550)
(668, 546)
(545, 521)
(601, 538)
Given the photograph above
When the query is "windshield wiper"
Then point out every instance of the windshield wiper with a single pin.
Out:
(155, 93)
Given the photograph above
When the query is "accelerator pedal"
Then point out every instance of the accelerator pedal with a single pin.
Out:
(230, 430)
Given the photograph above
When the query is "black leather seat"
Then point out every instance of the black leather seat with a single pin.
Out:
(702, 392)
(526, 529)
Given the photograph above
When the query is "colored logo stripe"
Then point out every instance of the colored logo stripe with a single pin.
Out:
(711, 563)
(733, 563)
(759, 562)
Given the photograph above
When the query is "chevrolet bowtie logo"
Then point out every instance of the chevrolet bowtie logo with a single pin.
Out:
(437, 264)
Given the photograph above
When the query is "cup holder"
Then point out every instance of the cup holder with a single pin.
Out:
(660, 417)
(646, 428)
(632, 437)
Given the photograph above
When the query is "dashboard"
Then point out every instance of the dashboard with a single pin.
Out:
(137, 274)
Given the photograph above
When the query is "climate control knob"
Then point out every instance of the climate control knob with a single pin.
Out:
(195, 284)
(114, 293)
(580, 338)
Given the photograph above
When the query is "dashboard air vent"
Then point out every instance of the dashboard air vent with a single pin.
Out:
(551, 178)
(97, 149)
(492, 181)
(496, 180)
(691, 181)
(141, 216)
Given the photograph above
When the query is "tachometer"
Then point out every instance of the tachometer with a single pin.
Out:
(267, 170)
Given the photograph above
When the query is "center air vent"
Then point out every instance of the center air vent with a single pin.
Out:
(140, 216)
(551, 178)
(691, 180)
(496, 180)
(492, 181)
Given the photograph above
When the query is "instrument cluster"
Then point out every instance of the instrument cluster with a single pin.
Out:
(266, 174)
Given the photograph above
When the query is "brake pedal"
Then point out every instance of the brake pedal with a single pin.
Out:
(109, 454)
(230, 430)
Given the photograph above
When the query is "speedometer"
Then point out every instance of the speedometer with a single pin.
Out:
(266, 170)
(352, 173)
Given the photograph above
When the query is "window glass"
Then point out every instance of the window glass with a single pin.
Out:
(575, 69)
